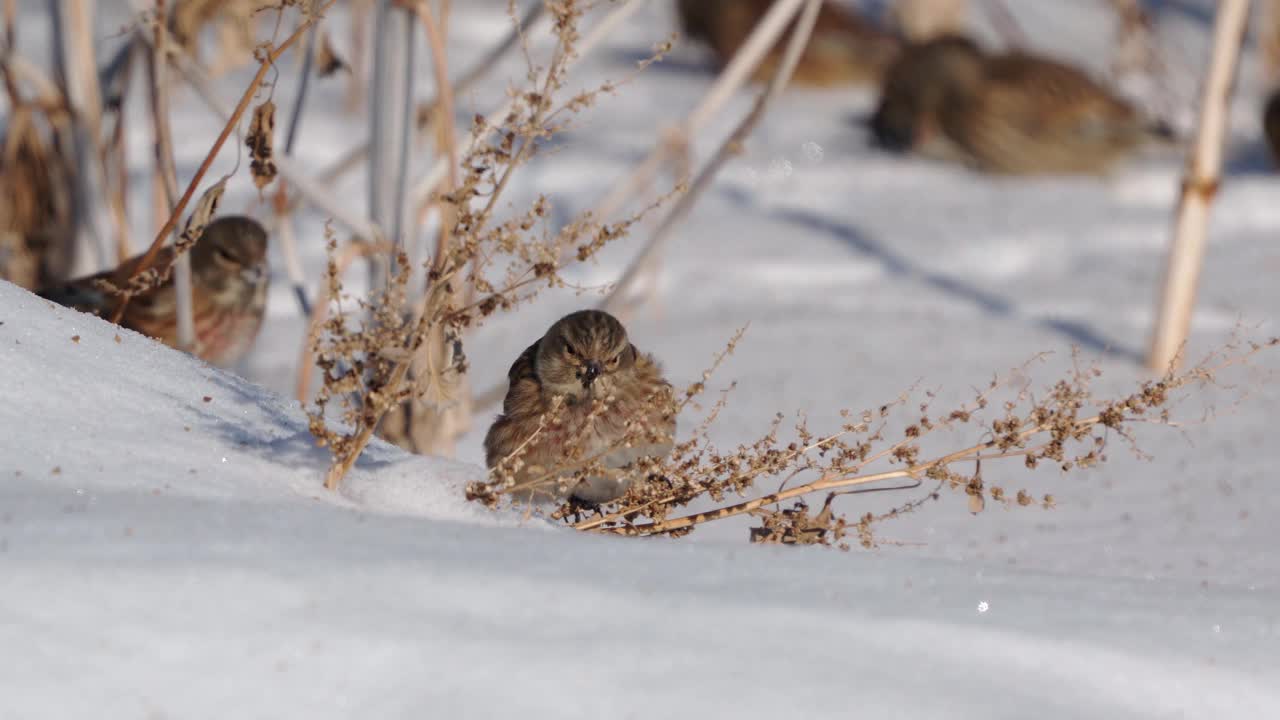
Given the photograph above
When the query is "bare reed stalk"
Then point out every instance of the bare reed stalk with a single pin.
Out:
(119, 151)
(73, 30)
(732, 145)
(266, 63)
(168, 175)
(1269, 41)
(1199, 185)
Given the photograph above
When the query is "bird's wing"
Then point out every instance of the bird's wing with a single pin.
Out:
(82, 294)
(523, 391)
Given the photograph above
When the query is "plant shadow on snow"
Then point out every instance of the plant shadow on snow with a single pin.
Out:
(1076, 332)
(278, 436)
(1250, 158)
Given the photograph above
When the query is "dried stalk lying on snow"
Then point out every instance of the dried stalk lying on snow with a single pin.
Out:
(1065, 425)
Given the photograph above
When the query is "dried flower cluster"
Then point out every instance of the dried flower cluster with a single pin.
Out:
(367, 363)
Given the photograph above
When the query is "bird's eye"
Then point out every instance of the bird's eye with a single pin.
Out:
(570, 351)
(225, 256)
(614, 360)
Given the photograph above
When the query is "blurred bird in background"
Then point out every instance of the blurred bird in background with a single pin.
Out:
(229, 292)
(1013, 112)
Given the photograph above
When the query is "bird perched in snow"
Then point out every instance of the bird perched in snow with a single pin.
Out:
(1271, 125)
(229, 292)
(1008, 113)
(581, 392)
(844, 49)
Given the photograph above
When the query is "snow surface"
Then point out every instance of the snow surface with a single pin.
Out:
(166, 550)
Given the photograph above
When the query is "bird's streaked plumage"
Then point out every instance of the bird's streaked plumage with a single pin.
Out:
(229, 292)
(581, 391)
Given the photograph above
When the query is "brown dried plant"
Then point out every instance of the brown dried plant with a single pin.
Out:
(901, 446)
(501, 263)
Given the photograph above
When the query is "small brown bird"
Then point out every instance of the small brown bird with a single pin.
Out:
(1271, 125)
(581, 392)
(1008, 113)
(844, 49)
(229, 292)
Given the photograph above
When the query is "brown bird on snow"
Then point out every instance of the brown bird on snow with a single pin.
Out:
(844, 49)
(229, 292)
(1009, 113)
(613, 406)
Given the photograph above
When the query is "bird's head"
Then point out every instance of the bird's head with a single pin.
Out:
(584, 354)
(231, 256)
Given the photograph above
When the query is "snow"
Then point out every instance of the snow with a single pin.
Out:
(166, 549)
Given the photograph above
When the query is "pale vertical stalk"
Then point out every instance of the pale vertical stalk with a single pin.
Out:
(1199, 185)
(447, 415)
(387, 118)
(76, 64)
(168, 175)
(1269, 41)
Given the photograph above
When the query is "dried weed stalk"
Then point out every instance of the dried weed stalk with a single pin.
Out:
(500, 263)
(900, 446)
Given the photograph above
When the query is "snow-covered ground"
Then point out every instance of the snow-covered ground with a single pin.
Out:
(166, 549)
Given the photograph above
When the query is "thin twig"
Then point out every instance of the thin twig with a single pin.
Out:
(284, 219)
(168, 175)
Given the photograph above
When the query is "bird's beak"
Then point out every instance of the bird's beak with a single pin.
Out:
(591, 372)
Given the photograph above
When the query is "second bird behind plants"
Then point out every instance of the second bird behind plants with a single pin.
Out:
(229, 292)
(580, 392)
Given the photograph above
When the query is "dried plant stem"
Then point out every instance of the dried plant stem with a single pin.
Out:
(74, 52)
(300, 179)
(834, 482)
(168, 175)
(1269, 42)
(1199, 185)
(284, 219)
(320, 311)
(732, 145)
(266, 63)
